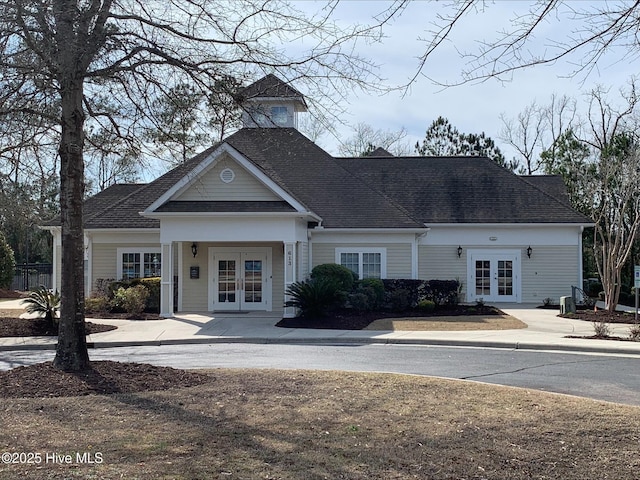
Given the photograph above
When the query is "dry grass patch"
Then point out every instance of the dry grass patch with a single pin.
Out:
(448, 323)
(259, 424)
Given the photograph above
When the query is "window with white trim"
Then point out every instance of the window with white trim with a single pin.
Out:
(365, 262)
(136, 263)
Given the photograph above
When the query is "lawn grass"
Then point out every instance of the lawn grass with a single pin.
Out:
(448, 323)
(268, 424)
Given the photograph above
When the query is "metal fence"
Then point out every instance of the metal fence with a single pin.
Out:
(31, 275)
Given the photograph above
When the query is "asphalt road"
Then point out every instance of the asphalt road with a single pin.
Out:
(610, 378)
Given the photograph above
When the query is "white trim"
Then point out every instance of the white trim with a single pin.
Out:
(508, 225)
(494, 255)
(267, 279)
(161, 215)
(141, 251)
(360, 250)
(209, 162)
(180, 252)
(323, 230)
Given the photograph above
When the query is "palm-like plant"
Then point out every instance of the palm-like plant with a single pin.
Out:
(45, 302)
(315, 297)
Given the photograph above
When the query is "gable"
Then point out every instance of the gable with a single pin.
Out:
(227, 180)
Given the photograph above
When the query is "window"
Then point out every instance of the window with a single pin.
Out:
(365, 262)
(133, 263)
(279, 115)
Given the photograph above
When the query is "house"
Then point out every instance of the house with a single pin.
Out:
(231, 228)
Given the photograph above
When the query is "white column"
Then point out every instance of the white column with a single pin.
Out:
(290, 274)
(166, 281)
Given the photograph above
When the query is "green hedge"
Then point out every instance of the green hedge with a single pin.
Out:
(402, 294)
(152, 304)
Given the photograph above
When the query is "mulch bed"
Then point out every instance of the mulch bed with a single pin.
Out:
(12, 294)
(599, 315)
(104, 377)
(37, 327)
(352, 320)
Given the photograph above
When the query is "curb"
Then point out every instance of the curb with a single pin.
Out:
(508, 345)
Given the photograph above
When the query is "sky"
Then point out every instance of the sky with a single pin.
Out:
(471, 108)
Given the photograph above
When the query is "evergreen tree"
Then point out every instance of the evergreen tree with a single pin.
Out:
(7, 263)
(444, 140)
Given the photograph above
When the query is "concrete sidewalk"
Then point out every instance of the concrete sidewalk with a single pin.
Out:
(545, 331)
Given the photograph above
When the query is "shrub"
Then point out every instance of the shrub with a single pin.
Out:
(634, 332)
(360, 301)
(7, 263)
(426, 306)
(400, 300)
(440, 292)
(315, 297)
(97, 304)
(368, 295)
(601, 329)
(152, 285)
(131, 300)
(374, 289)
(45, 302)
(341, 276)
(103, 288)
(547, 302)
(593, 288)
(408, 296)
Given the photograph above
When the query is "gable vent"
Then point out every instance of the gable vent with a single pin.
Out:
(227, 175)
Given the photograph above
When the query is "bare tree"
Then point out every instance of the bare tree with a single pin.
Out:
(366, 139)
(585, 33)
(601, 168)
(537, 129)
(69, 53)
(524, 134)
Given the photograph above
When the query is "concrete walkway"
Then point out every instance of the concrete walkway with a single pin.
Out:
(545, 331)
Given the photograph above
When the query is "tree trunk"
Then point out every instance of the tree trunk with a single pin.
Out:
(71, 351)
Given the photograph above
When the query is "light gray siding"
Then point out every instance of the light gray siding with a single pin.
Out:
(441, 262)
(398, 255)
(105, 258)
(549, 273)
(243, 187)
(195, 291)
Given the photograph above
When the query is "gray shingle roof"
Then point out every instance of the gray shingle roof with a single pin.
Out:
(318, 181)
(550, 184)
(370, 192)
(271, 87)
(462, 190)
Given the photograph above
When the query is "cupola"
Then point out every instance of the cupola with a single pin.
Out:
(271, 103)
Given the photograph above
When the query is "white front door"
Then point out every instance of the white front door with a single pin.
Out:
(239, 279)
(493, 276)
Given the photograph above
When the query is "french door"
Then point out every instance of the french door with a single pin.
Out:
(239, 280)
(493, 276)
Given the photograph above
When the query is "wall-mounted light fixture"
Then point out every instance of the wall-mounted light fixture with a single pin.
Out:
(459, 251)
(194, 249)
(529, 250)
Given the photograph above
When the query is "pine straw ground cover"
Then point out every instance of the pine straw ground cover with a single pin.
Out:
(267, 424)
